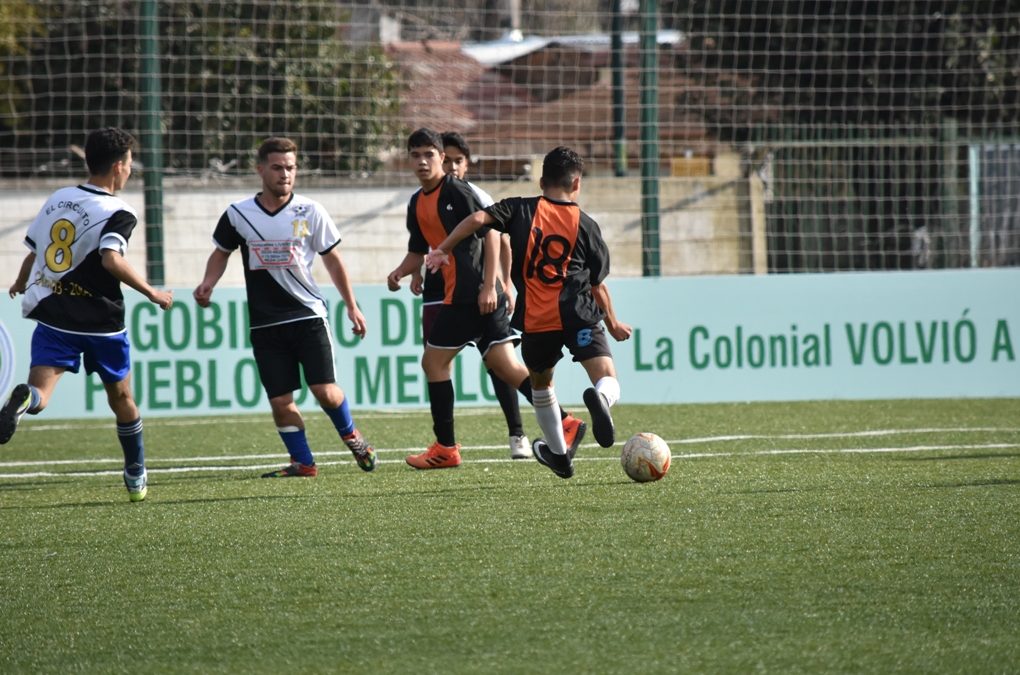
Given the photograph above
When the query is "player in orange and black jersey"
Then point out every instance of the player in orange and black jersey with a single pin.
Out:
(473, 307)
(560, 263)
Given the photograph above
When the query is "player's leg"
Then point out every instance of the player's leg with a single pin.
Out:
(600, 398)
(28, 397)
(290, 425)
(508, 374)
(444, 453)
(496, 330)
(130, 436)
(315, 347)
(591, 349)
(279, 371)
(441, 398)
(52, 353)
(542, 351)
(109, 357)
(510, 405)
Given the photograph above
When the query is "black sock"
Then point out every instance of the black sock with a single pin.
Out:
(441, 402)
(507, 397)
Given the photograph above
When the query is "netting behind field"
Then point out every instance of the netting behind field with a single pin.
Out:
(786, 136)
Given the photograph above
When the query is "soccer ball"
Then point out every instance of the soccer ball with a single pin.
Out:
(645, 457)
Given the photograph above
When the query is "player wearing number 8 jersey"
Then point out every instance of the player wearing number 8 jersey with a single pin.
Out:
(71, 280)
(560, 263)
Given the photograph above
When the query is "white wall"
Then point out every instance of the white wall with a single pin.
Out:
(700, 230)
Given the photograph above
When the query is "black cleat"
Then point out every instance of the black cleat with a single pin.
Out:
(561, 465)
(601, 421)
(16, 406)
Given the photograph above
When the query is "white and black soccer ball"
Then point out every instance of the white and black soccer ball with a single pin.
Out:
(645, 457)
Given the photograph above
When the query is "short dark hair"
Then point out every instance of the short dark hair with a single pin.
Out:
(424, 137)
(561, 166)
(453, 139)
(275, 144)
(105, 147)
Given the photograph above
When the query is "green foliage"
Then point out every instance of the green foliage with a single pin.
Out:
(238, 73)
(787, 537)
(18, 24)
(232, 73)
(858, 63)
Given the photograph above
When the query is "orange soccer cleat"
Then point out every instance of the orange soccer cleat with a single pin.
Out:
(438, 456)
(573, 433)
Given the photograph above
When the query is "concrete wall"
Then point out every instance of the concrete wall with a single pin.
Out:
(701, 226)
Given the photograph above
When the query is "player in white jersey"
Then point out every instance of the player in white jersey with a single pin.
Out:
(280, 234)
(71, 281)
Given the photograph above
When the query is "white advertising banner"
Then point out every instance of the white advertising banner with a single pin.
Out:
(696, 339)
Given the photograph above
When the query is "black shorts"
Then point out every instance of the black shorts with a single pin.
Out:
(541, 351)
(429, 313)
(280, 350)
(457, 326)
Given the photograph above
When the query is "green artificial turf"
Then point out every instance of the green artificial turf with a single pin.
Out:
(784, 539)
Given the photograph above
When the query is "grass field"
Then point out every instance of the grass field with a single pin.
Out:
(865, 537)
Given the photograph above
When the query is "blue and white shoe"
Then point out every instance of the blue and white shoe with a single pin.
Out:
(137, 486)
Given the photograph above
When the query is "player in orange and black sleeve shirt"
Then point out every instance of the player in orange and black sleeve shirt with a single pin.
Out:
(560, 263)
(473, 307)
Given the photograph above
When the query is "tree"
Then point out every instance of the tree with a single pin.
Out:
(860, 62)
(19, 22)
(232, 73)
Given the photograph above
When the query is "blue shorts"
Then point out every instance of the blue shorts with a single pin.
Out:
(107, 355)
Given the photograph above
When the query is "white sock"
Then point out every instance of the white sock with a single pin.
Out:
(547, 410)
(609, 387)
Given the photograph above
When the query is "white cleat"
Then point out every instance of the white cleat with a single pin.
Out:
(520, 448)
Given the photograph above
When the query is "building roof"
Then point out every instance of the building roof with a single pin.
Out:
(519, 98)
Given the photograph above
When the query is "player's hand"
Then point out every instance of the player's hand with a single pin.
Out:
(417, 283)
(510, 304)
(17, 288)
(620, 331)
(163, 298)
(203, 294)
(436, 259)
(487, 300)
(393, 280)
(359, 325)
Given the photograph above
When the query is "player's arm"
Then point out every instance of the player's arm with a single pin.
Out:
(409, 265)
(465, 228)
(505, 258)
(121, 269)
(214, 269)
(490, 272)
(21, 283)
(619, 330)
(338, 273)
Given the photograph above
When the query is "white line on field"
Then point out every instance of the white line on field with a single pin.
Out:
(679, 456)
(153, 422)
(678, 441)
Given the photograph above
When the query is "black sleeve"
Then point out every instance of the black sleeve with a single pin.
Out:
(503, 212)
(226, 235)
(597, 256)
(416, 240)
(121, 223)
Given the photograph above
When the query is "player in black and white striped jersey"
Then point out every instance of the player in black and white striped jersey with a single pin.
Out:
(280, 234)
(72, 280)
